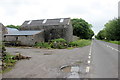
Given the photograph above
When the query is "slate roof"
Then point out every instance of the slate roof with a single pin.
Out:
(17, 32)
(48, 22)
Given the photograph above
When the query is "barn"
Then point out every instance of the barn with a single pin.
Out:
(53, 28)
(28, 38)
(43, 30)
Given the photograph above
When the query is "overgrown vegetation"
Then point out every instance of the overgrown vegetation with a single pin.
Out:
(42, 45)
(80, 43)
(7, 59)
(58, 43)
(62, 44)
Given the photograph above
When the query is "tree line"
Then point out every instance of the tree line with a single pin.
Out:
(111, 31)
(13, 26)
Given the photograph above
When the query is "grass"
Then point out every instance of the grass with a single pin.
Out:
(8, 63)
(6, 70)
(80, 43)
(43, 45)
(62, 44)
(114, 42)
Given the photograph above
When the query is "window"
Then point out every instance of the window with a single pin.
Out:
(16, 38)
(29, 22)
(61, 20)
(4, 36)
(44, 21)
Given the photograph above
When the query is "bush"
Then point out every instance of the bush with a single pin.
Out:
(42, 45)
(62, 44)
(56, 43)
(59, 43)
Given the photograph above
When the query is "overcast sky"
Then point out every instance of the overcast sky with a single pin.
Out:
(95, 12)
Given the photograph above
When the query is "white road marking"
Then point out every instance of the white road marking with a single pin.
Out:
(112, 48)
(87, 69)
(88, 61)
(89, 54)
(89, 57)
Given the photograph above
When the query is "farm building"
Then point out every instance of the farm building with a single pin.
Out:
(53, 28)
(24, 37)
(43, 30)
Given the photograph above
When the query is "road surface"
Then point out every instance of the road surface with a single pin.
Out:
(104, 60)
(98, 60)
(47, 63)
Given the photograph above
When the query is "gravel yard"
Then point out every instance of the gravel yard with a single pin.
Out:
(46, 63)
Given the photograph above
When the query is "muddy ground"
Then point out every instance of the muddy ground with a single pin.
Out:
(46, 63)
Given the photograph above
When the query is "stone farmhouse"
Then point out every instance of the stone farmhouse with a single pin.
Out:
(44, 30)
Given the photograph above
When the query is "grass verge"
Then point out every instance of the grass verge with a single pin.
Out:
(80, 43)
(114, 42)
(63, 44)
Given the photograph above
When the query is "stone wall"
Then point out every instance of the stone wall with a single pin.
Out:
(3, 30)
(28, 40)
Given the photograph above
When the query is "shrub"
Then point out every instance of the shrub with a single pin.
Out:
(59, 43)
(42, 45)
(62, 44)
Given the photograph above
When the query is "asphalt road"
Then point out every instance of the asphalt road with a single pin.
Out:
(47, 63)
(104, 60)
(99, 60)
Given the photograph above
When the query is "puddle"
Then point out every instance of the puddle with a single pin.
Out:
(66, 69)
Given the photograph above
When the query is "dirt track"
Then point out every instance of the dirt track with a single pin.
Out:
(46, 63)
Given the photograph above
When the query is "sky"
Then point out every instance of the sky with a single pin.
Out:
(95, 12)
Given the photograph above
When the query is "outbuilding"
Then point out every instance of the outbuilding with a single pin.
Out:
(28, 38)
(53, 28)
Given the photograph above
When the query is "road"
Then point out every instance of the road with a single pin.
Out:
(47, 63)
(99, 60)
(104, 60)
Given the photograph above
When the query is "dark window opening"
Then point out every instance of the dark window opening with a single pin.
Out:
(16, 38)
(4, 36)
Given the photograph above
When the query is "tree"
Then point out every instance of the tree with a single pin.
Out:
(101, 35)
(82, 29)
(112, 29)
(13, 26)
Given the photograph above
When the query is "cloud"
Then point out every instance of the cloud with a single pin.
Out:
(96, 12)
